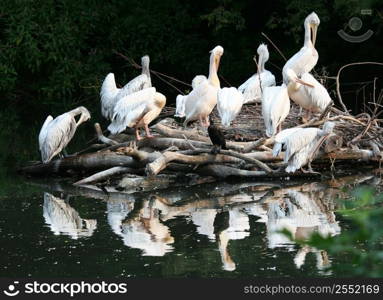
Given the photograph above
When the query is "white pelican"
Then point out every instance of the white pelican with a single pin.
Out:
(146, 232)
(64, 219)
(302, 144)
(251, 88)
(137, 110)
(307, 92)
(201, 101)
(306, 59)
(279, 139)
(110, 94)
(56, 133)
(181, 99)
(275, 108)
(229, 104)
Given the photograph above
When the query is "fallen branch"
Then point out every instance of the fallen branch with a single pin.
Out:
(161, 163)
(100, 176)
(244, 157)
(101, 137)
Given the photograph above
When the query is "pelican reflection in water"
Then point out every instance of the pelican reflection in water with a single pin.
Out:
(139, 226)
(64, 219)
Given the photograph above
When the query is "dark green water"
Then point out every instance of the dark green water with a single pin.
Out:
(49, 229)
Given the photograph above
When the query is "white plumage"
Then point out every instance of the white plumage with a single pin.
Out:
(251, 88)
(55, 134)
(301, 145)
(307, 57)
(275, 107)
(307, 92)
(229, 104)
(110, 94)
(181, 99)
(201, 101)
(280, 139)
(64, 219)
(137, 110)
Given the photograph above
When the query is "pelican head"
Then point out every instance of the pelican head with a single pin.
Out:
(198, 80)
(217, 52)
(85, 114)
(145, 60)
(262, 50)
(312, 20)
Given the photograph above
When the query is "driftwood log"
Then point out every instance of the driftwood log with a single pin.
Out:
(179, 152)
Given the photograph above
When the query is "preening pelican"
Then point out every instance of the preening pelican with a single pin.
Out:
(110, 94)
(57, 133)
(64, 219)
(251, 88)
(306, 59)
(137, 110)
(302, 144)
(275, 108)
(181, 99)
(229, 104)
(307, 92)
(201, 101)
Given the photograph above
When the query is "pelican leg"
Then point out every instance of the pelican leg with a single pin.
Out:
(305, 117)
(201, 121)
(148, 134)
(311, 169)
(137, 132)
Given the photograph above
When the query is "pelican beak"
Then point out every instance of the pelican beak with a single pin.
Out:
(303, 82)
(314, 29)
(217, 60)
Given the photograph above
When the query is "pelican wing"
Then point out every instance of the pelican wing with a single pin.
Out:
(275, 107)
(229, 104)
(108, 94)
(44, 131)
(298, 140)
(136, 84)
(130, 109)
(281, 137)
(196, 104)
(301, 62)
(251, 89)
(301, 157)
(58, 134)
(267, 98)
(318, 94)
(180, 106)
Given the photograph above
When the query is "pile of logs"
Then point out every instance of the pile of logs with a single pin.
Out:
(177, 151)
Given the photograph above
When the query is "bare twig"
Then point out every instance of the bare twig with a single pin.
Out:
(338, 81)
(279, 51)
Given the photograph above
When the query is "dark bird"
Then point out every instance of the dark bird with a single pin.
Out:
(217, 138)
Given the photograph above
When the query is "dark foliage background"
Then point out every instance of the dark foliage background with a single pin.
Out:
(55, 53)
